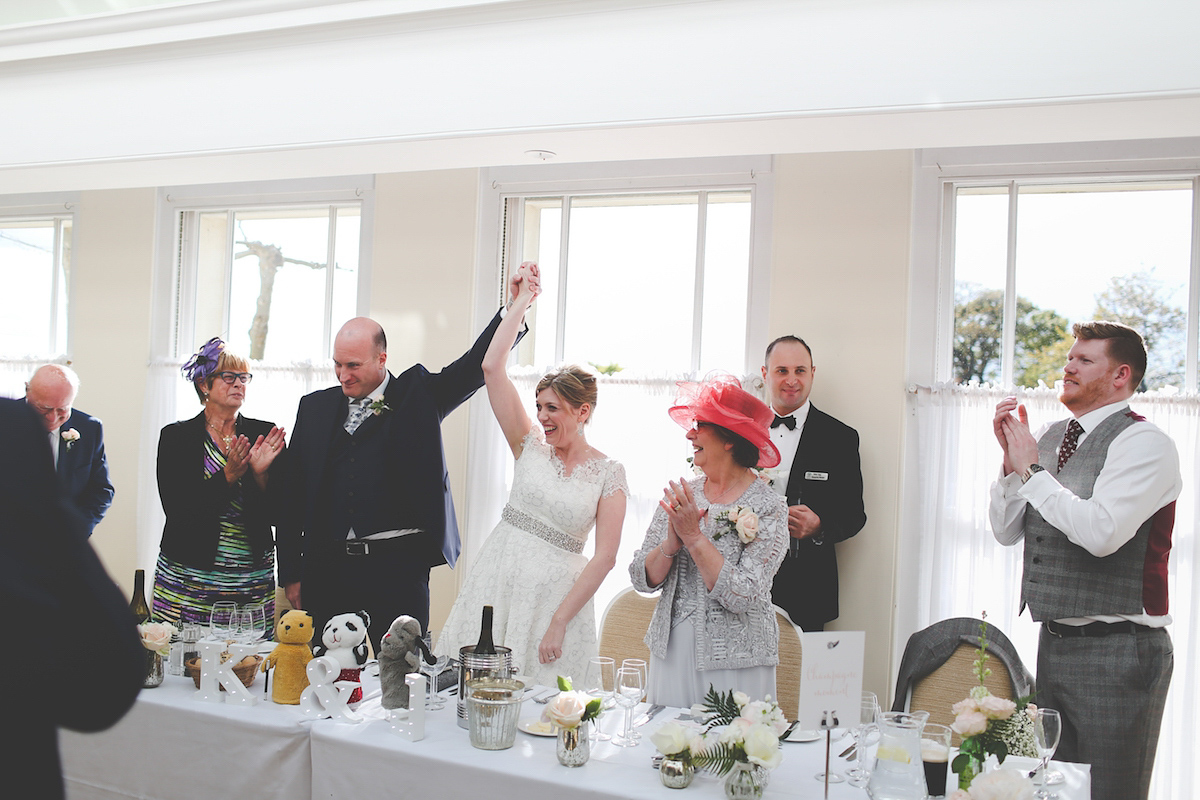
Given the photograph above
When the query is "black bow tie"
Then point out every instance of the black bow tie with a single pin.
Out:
(788, 421)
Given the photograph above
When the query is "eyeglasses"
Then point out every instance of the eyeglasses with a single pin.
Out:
(230, 377)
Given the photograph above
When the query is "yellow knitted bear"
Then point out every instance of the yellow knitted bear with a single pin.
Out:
(290, 658)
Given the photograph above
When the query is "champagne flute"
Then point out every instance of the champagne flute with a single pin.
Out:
(599, 681)
(1047, 728)
(433, 700)
(628, 694)
(223, 620)
(868, 708)
(253, 625)
(640, 665)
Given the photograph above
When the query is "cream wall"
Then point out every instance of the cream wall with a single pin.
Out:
(839, 277)
(840, 257)
(110, 343)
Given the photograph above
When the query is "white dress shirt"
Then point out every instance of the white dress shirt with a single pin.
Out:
(1140, 476)
(787, 442)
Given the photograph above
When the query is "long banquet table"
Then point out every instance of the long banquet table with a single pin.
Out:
(172, 747)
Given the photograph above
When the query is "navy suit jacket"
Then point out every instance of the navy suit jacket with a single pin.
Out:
(826, 476)
(418, 401)
(83, 469)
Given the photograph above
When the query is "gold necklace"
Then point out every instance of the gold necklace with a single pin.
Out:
(714, 501)
(224, 439)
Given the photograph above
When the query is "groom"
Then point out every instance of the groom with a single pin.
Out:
(371, 510)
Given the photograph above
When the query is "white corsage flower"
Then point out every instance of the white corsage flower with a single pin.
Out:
(70, 436)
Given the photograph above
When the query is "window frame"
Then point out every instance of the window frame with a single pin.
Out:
(939, 173)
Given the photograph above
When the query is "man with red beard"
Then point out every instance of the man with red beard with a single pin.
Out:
(1093, 498)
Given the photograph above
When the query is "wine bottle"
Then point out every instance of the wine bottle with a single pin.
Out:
(141, 611)
(485, 646)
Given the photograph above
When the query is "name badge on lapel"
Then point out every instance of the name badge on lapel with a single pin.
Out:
(816, 476)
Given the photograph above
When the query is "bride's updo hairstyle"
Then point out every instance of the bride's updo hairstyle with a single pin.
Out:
(573, 385)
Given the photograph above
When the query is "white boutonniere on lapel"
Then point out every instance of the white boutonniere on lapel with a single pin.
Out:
(70, 436)
(377, 407)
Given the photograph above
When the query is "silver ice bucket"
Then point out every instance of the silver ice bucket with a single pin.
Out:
(471, 666)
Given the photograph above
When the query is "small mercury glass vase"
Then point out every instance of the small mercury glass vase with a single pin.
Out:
(154, 670)
(573, 748)
(743, 782)
(676, 773)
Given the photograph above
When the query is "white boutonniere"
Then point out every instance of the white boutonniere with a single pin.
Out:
(379, 406)
(741, 521)
(70, 436)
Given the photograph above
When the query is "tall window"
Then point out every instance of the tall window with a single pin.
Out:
(1031, 258)
(646, 282)
(35, 271)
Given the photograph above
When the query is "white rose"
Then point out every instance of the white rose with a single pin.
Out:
(670, 739)
(747, 527)
(970, 723)
(997, 707)
(963, 706)
(566, 709)
(1002, 784)
(156, 636)
(741, 698)
(762, 746)
(734, 514)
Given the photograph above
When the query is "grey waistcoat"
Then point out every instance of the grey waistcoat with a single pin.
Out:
(1061, 578)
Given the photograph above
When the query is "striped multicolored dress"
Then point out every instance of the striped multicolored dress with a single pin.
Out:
(186, 594)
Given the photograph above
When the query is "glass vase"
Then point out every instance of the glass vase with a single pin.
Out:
(154, 670)
(573, 748)
(743, 782)
(676, 773)
(970, 771)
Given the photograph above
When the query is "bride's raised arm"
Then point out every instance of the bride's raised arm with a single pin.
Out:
(502, 394)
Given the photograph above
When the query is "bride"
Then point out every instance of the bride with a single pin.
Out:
(531, 568)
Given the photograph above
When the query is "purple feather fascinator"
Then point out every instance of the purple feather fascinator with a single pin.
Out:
(202, 364)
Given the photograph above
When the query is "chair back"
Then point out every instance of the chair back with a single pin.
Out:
(623, 627)
(953, 681)
(787, 674)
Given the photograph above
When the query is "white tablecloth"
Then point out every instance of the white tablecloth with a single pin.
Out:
(172, 747)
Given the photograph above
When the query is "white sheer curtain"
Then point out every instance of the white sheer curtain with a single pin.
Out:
(14, 372)
(960, 570)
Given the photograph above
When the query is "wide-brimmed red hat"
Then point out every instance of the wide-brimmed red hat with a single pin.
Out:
(720, 400)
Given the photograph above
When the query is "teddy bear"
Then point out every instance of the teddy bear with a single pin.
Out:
(400, 654)
(290, 657)
(345, 638)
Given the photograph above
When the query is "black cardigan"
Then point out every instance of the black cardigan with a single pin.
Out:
(193, 504)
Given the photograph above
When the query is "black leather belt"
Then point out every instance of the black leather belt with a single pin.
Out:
(1094, 629)
(365, 547)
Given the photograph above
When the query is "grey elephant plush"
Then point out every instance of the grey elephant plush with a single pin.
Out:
(400, 653)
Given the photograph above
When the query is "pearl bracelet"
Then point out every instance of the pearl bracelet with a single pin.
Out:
(669, 556)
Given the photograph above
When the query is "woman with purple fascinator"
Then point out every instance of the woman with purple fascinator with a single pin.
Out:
(214, 479)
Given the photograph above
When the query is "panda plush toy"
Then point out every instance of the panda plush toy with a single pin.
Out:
(345, 638)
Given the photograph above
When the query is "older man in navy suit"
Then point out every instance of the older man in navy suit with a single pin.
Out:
(370, 506)
(76, 441)
(821, 477)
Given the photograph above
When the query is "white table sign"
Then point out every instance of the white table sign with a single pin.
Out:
(831, 683)
(409, 723)
(214, 674)
(325, 695)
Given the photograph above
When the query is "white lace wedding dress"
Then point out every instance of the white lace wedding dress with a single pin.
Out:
(532, 559)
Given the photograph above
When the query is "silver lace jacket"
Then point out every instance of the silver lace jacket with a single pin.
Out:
(735, 622)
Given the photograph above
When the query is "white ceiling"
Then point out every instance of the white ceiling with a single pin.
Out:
(244, 89)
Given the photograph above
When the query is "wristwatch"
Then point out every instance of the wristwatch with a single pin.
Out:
(1030, 470)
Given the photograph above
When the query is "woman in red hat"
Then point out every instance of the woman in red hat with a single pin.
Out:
(712, 549)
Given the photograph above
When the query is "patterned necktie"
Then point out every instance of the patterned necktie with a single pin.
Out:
(358, 412)
(1070, 442)
(788, 422)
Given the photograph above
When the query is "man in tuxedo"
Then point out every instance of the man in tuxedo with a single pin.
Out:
(51, 578)
(1092, 497)
(821, 477)
(76, 442)
(371, 510)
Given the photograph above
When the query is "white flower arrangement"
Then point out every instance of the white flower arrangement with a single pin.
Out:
(570, 708)
(750, 734)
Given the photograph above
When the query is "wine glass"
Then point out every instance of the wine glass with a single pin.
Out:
(223, 620)
(868, 708)
(640, 665)
(1047, 728)
(253, 624)
(628, 694)
(433, 700)
(599, 681)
